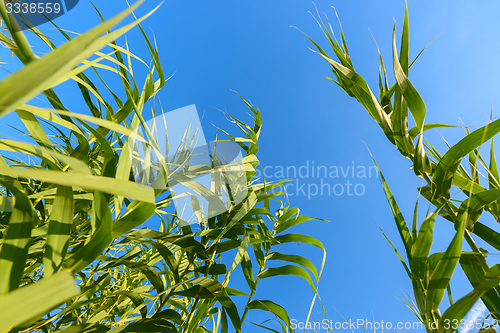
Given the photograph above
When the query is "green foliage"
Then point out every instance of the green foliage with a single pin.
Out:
(430, 273)
(73, 254)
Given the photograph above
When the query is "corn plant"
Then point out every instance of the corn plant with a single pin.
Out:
(75, 255)
(479, 188)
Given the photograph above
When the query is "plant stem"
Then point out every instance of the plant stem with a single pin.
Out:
(252, 294)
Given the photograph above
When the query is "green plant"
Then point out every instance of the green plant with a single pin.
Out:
(430, 274)
(72, 255)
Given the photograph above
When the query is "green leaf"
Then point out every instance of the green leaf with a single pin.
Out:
(148, 325)
(287, 220)
(22, 45)
(441, 276)
(410, 94)
(287, 270)
(222, 297)
(358, 86)
(404, 232)
(242, 250)
(422, 248)
(476, 202)
(137, 213)
(214, 269)
(149, 272)
(458, 310)
(475, 273)
(135, 298)
(41, 74)
(416, 131)
(16, 241)
(86, 328)
(443, 174)
(247, 205)
(272, 307)
(298, 238)
(487, 234)
(6, 204)
(36, 299)
(61, 222)
(34, 128)
(296, 260)
(98, 241)
(90, 182)
(404, 54)
(51, 115)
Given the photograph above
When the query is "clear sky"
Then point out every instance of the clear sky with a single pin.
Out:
(214, 47)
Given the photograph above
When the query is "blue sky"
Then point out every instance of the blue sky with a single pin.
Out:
(218, 47)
